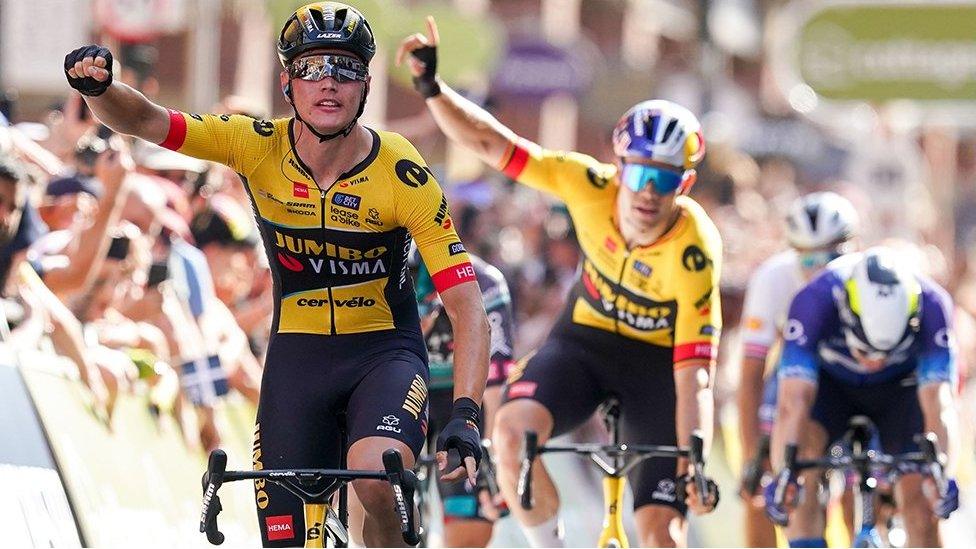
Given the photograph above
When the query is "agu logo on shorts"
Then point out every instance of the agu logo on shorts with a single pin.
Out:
(279, 527)
(665, 490)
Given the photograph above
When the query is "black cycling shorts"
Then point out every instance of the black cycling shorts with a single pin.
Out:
(892, 406)
(578, 367)
(376, 382)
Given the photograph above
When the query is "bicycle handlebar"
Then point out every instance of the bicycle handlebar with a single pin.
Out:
(531, 450)
(310, 485)
(928, 455)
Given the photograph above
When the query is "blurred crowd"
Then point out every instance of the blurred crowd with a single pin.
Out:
(143, 267)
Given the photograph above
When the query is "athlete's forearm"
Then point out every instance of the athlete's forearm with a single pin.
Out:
(749, 399)
(471, 340)
(793, 403)
(469, 125)
(128, 111)
(694, 406)
(938, 413)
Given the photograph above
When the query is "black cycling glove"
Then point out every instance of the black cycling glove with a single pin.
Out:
(88, 85)
(462, 433)
(712, 489)
(427, 83)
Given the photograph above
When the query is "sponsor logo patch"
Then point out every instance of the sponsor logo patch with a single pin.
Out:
(642, 268)
(279, 527)
(299, 190)
(344, 200)
(664, 491)
(411, 173)
(455, 248)
(694, 259)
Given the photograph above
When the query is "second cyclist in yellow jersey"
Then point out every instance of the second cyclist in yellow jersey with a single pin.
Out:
(643, 320)
(339, 254)
(663, 293)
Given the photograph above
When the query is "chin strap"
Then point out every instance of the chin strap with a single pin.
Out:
(328, 136)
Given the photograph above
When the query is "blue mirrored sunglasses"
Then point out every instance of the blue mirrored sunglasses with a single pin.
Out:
(637, 176)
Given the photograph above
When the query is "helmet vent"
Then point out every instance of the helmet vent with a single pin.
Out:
(318, 20)
(339, 19)
(812, 212)
(881, 273)
(670, 129)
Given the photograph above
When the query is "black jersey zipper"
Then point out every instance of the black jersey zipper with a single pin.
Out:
(331, 302)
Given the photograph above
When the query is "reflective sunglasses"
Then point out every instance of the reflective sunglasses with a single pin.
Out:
(342, 68)
(637, 176)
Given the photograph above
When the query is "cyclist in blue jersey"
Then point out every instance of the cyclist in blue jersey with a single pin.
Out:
(868, 336)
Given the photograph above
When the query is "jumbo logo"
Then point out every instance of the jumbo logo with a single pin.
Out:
(308, 246)
(640, 314)
(416, 397)
(347, 261)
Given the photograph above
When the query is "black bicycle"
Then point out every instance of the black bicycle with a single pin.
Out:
(316, 488)
(855, 454)
(615, 460)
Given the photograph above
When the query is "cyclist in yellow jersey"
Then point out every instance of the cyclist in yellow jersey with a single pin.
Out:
(643, 320)
(337, 205)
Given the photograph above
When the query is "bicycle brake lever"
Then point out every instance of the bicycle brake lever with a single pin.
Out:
(402, 483)
(212, 480)
(525, 472)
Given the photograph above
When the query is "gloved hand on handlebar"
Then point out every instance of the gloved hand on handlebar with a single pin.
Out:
(463, 435)
(946, 504)
(779, 511)
(694, 501)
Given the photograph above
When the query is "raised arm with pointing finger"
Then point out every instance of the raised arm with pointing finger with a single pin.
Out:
(644, 317)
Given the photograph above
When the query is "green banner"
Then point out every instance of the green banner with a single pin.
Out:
(882, 51)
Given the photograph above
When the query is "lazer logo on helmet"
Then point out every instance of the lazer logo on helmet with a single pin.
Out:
(329, 35)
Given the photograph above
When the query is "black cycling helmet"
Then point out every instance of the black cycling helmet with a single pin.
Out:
(326, 25)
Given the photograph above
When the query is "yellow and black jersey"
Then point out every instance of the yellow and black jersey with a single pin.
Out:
(663, 294)
(338, 255)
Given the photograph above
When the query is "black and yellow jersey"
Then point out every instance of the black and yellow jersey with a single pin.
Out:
(338, 256)
(664, 294)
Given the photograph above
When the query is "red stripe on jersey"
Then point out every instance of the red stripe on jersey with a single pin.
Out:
(700, 349)
(177, 131)
(516, 163)
(452, 276)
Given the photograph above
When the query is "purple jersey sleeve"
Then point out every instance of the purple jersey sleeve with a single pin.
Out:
(812, 311)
